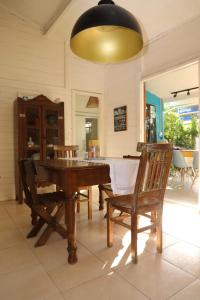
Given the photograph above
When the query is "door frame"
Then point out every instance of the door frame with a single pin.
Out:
(74, 93)
(142, 134)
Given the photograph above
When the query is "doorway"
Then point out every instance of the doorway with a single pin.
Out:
(172, 115)
(87, 129)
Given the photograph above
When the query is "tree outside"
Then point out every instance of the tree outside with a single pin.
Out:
(180, 134)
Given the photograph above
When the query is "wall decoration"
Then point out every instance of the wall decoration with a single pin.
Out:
(120, 118)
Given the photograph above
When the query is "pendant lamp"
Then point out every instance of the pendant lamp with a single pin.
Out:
(93, 102)
(106, 33)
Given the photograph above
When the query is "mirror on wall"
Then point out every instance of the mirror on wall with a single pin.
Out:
(86, 122)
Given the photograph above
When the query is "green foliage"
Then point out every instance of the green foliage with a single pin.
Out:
(179, 134)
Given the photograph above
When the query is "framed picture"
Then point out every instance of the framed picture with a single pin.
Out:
(120, 118)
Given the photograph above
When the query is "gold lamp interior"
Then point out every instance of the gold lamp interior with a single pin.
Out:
(106, 44)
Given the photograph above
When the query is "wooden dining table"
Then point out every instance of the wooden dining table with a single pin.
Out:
(70, 175)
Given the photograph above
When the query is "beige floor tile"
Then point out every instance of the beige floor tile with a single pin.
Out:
(92, 235)
(9, 238)
(14, 209)
(168, 240)
(22, 220)
(56, 296)
(54, 237)
(55, 255)
(184, 256)
(3, 213)
(69, 276)
(15, 258)
(27, 284)
(120, 254)
(7, 224)
(191, 292)
(155, 277)
(107, 287)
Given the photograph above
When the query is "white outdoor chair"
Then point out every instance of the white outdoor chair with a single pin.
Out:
(195, 166)
(181, 166)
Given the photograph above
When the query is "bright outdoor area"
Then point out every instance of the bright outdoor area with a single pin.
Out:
(172, 115)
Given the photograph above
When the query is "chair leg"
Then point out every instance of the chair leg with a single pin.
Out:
(53, 226)
(134, 238)
(182, 177)
(159, 232)
(90, 203)
(34, 231)
(78, 206)
(33, 217)
(101, 204)
(153, 220)
(109, 225)
(37, 226)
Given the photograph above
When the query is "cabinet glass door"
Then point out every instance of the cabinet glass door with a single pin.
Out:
(52, 134)
(33, 132)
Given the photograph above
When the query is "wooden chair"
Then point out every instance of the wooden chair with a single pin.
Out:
(47, 208)
(147, 197)
(106, 188)
(61, 151)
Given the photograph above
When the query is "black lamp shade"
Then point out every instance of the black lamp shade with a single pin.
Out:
(106, 33)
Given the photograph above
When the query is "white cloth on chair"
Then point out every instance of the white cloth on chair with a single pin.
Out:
(123, 173)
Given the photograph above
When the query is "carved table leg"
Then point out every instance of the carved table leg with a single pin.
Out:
(71, 229)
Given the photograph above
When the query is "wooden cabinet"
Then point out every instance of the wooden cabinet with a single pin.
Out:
(39, 124)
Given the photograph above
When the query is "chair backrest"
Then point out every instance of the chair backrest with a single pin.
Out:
(153, 173)
(61, 151)
(179, 160)
(28, 176)
(139, 149)
(196, 160)
(139, 146)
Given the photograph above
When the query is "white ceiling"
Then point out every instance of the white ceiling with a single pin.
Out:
(55, 18)
(179, 79)
(155, 16)
(41, 13)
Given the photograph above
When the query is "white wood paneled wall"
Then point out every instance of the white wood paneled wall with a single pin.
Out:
(30, 64)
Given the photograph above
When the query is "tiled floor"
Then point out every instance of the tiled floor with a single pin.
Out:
(28, 273)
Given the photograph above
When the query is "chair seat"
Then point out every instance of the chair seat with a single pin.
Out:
(125, 203)
(51, 197)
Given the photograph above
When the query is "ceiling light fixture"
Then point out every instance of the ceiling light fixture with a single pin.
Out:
(106, 33)
(182, 91)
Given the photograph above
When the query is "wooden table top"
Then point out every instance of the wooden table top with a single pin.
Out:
(62, 164)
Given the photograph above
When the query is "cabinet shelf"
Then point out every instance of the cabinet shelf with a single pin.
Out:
(31, 148)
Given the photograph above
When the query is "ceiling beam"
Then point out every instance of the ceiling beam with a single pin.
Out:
(57, 19)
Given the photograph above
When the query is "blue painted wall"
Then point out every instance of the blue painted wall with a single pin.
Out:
(158, 103)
